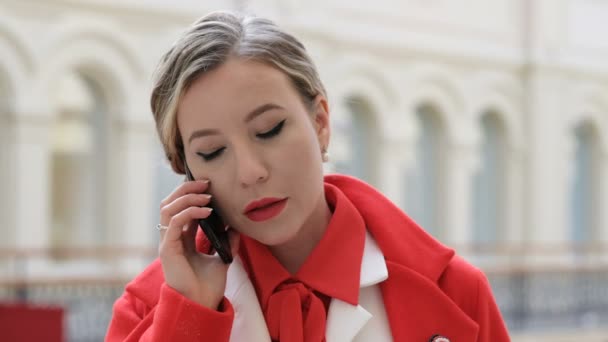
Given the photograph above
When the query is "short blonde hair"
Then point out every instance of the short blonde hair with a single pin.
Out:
(208, 43)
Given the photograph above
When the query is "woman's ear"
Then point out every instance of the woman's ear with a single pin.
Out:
(321, 121)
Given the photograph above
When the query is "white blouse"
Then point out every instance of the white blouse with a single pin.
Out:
(345, 322)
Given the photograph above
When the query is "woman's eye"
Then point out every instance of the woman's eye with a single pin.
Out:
(272, 132)
(212, 155)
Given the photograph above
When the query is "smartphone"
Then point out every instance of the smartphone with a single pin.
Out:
(213, 227)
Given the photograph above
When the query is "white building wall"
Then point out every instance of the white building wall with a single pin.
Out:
(541, 65)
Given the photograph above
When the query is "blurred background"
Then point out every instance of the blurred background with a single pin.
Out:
(485, 120)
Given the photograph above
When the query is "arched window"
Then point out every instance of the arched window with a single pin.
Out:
(362, 141)
(585, 184)
(489, 182)
(425, 180)
(79, 163)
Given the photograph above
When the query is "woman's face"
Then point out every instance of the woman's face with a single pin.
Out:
(245, 128)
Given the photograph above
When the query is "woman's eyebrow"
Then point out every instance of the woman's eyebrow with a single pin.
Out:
(252, 115)
(260, 110)
(201, 133)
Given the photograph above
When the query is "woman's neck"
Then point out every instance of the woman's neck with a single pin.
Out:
(294, 252)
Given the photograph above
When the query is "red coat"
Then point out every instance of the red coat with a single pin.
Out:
(429, 289)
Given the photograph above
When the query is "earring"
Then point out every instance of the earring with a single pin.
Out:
(324, 155)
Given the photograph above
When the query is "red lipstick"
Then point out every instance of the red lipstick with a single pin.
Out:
(265, 208)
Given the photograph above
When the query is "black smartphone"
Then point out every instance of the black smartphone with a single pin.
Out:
(214, 228)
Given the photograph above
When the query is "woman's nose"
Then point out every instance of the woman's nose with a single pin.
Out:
(250, 168)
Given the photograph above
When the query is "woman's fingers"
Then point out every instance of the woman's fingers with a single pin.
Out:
(185, 188)
(189, 237)
(181, 203)
(180, 208)
(172, 237)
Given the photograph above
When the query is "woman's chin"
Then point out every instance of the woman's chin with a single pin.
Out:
(273, 239)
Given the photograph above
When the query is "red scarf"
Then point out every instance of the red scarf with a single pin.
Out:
(295, 306)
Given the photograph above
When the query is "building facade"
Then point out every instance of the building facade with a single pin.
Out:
(486, 121)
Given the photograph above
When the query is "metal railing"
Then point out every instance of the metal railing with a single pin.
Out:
(530, 298)
(536, 300)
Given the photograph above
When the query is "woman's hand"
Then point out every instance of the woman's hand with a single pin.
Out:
(197, 276)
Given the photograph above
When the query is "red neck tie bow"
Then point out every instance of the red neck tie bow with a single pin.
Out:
(295, 314)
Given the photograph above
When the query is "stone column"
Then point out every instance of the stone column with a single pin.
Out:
(133, 192)
(544, 100)
(31, 167)
(547, 178)
(8, 266)
(32, 153)
(7, 183)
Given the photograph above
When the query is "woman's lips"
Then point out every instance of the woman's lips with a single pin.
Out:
(266, 212)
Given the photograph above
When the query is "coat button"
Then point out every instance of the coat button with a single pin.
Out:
(439, 338)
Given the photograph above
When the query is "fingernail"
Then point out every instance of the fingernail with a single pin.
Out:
(204, 181)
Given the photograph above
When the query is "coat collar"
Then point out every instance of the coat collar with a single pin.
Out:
(415, 261)
(401, 240)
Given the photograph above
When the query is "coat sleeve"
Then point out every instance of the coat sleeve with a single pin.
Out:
(173, 318)
(491, 325)
(469, 288)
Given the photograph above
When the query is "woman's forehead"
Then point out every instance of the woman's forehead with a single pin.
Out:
(238, 73)
(238, 87)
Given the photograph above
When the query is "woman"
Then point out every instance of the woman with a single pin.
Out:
(239, 104)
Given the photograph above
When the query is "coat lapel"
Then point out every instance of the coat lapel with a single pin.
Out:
(418, 309)
(249, 323)
(345, 321)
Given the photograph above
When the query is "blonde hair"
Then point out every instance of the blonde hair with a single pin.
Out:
(208, 43)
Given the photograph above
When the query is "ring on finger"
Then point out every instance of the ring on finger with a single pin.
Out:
(160, 227)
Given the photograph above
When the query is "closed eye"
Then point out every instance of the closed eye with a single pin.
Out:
(212, 155)
(272, 132)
